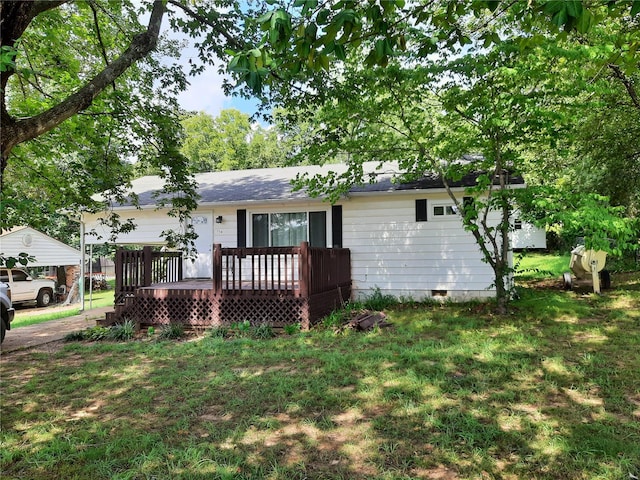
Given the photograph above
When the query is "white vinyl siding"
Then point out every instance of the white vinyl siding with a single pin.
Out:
(150, 223)
(528, 236)
(225, 233)
(402, 257)
(390, 250)
(48, 252)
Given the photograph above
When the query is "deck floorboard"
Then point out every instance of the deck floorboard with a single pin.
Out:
(207, 284)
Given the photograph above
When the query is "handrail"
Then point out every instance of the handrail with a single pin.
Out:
(298, 271)
(293, 271)
(142, 268)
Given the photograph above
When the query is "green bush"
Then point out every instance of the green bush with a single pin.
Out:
(263, 331)
(96, 334)
(292, 329)
(76, 336)
(378, 301)
(219, 332)
(241, 329)
(123, 331)
(172, 331)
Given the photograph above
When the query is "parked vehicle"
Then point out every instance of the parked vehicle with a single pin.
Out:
(25, 289)
(7, 311)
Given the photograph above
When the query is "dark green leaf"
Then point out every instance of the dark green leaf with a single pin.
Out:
(323, 16)
(492, 5)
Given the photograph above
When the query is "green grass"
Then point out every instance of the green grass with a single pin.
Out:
(539, 265)
(549, 391)
(102, 298)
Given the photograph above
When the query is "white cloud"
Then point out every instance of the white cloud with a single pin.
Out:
(204, 93)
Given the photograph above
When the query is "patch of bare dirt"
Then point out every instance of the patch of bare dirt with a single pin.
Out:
(50, 348)
(436, 473)
(544, 284)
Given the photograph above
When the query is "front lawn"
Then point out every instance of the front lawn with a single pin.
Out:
(550, 391)
(100, 298)
(540, 265)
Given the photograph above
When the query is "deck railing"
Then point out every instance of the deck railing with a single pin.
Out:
(293, 271)
(297, 271)
(328, 268)
(278, 286)
(142, 268)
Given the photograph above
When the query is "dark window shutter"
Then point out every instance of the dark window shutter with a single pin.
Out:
(336, 226)
(241, 228)
(421, 210)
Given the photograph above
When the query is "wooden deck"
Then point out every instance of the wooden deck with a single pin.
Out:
(277, 286)
(195, 284)
(189, 284)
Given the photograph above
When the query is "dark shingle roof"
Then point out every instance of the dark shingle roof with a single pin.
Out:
(274, 184)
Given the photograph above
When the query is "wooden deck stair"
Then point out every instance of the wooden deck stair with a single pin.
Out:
(117, 315)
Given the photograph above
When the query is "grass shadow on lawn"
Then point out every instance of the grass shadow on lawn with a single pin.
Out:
(450, 391)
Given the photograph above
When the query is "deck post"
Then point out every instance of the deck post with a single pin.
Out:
(305, 270)
(147, 258)
(217, 268)
(119, 273)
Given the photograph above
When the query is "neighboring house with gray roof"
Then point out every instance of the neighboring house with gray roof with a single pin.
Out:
(405, 239)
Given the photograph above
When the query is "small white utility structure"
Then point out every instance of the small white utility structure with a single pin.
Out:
(588, 264)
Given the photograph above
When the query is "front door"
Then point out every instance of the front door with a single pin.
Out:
(202, 265)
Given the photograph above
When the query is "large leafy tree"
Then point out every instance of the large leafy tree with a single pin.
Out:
(303, 37)
(48, 18)
(429, 119)
(501, 96)
(592, 164)
(230, 141)
(89, 86)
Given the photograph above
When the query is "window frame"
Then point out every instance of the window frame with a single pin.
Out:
(250, 223)
(449, 211)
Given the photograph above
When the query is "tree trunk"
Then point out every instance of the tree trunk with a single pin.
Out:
(16, 17)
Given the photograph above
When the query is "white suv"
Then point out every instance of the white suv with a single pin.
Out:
(26, 289)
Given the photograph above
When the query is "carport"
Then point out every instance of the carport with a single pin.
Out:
(48, 252)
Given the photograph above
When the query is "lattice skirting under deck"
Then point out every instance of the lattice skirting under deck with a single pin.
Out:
(204, 308)
(162, 307)
(272, 310)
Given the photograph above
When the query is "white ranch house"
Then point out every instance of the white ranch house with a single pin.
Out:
(405, 239)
